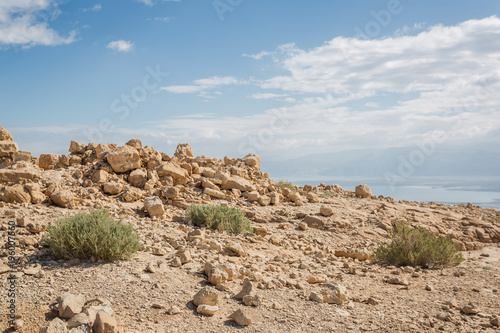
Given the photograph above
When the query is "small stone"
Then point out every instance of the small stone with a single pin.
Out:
(495, 321)
(429, 287)
(176, 262)
(398, 280)
(154, 206)
(250, 300)
(184, 256)
(70, 305)
(78, 320)
(18, 324)
(151, 268)
(241, 317)
(326, 211)
(105, 323)
(334, 292)
(373, 300)
(207, 295)
(173, 310)
(317, 297)
(246, 290)
(236, 249)
(35, 228)
(55, 326)
(208, 310)
(470, 308)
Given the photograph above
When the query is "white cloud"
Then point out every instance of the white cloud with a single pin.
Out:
(202, 86)
(26, 23)
(97, 7)
(120, 46)
(445, 79)
(257, 56)
(151, 3)
(267, 96)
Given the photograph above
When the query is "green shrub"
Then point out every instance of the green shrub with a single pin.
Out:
(285, 184)
(219, 218)
(417, 247)
(92, 234)
(326, 194)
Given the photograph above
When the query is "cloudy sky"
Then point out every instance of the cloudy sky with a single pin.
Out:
(331, 82)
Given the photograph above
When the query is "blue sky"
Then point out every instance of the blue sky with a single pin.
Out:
(406, 80)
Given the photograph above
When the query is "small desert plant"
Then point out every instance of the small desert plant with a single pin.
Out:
(95, 234)
(219, 218)
(417, 247)
(326, 194)
(285, 184)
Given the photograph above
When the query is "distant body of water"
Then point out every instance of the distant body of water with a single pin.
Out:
(481, 192)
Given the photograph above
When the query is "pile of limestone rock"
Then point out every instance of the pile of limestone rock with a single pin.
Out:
(122, 174)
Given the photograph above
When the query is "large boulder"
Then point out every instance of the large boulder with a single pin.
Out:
(17, 194)
(124, 159)
(138, 178)
(63, 198)
(154, 206)
(112, 188)
(7, 148)
(55, 326)
(76, 147)
(237, 182)
(363, 191)
(5, 135)
(183, 150)
(179, 175)
(252, 160)
(48, 161)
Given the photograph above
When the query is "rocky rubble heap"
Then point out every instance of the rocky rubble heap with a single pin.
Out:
(309, 254)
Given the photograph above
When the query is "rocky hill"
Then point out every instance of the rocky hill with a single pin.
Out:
(306, 268)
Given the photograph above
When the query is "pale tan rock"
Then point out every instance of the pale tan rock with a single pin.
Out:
(335, 292)
(398, 280)
(100, 176)
(295, 197)
(132, 194)
(105, 323)
(246, 289)
(124, 159)
(253, 196)
(363, 191)
(237, 182)
(22, 155)
(63, 198)
(208, 310)
(276, 198)
(138, 178)
(16, 194)
(36, 227)
(314, 222)
(317, 297)
(48, 161)
(470, 308)
(81, 329)
(113, 188)
(252, 160)
(326, 211)
(7, 148)
(78, 320)
(70, 305)
(5, 135)
(214, 193)
(207, 295)
(176, 262)
(312, 197)
(76, 147)
(251, 300)
(241, 317)
(185, 256)
(264, 200)
(170, 192)
(154, 206)
(135, 143)
(216, 274)
(178, 174)
(236, 249)
(183, 150)
(55, 326)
